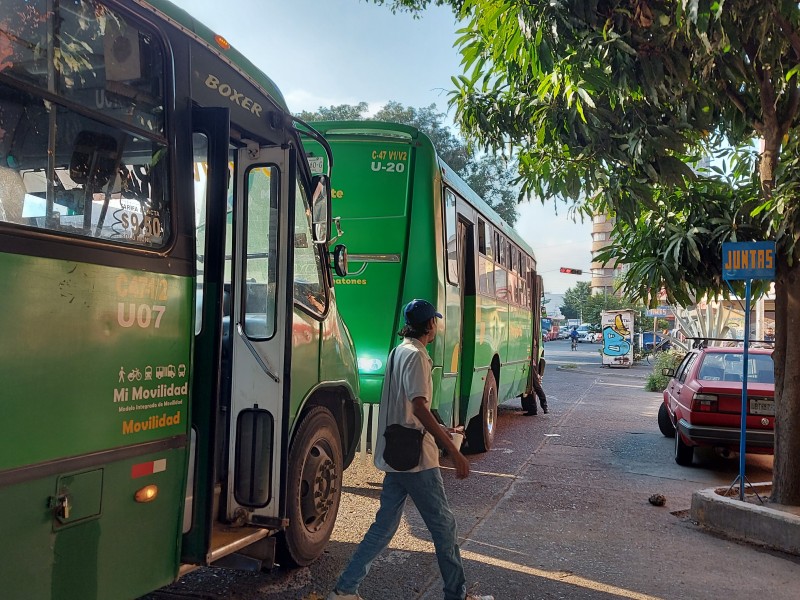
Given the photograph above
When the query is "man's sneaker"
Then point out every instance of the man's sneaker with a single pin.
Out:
(477, 597)
(334, 595)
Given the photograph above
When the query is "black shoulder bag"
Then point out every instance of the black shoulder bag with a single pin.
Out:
(403, 444)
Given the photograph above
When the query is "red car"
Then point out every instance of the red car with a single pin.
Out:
(703, 401)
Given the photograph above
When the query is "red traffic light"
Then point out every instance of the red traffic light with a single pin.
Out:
(571, 271)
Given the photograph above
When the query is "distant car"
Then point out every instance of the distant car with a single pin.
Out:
(563, 333)
(703, 400)
(588, 336)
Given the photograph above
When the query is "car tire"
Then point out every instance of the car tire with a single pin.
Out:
(664, 422)
(684, 453)
(481, 428)
(315, 488)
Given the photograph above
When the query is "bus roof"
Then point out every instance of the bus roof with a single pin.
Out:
(230, 55)
(383, 130)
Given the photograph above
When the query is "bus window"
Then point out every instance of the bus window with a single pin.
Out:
(309, 289)
(100, 59)
(451, 242)
(481, 237)
(71, 174)
(260, 266)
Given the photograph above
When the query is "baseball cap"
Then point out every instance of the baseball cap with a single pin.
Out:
(418, 311)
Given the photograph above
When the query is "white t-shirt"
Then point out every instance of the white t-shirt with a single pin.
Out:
(408, 376)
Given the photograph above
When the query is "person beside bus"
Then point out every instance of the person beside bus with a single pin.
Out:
(529, 400)
(409, 393)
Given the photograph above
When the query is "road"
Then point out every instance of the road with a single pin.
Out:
(558, 509)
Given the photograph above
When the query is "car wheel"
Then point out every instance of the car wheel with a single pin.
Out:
(314, 490)
(664, 422)
(684, 453)
(480, 431)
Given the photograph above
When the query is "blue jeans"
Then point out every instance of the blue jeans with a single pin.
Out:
(426, 489)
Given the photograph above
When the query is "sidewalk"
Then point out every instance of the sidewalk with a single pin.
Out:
(772, 526)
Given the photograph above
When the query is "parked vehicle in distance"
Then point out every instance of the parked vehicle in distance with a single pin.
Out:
(588, 336)
(563, 332)
(703, 400)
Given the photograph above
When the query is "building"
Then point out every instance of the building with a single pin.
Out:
(602, 273)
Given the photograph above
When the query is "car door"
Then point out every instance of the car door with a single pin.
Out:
(676, 390)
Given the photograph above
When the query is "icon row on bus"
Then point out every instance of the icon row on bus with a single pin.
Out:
(161, 372)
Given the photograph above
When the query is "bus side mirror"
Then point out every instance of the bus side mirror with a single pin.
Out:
(320, 197)
(340, 260)
(668, 372)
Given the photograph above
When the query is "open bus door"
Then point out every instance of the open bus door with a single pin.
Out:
(537, 291)
(242, 344)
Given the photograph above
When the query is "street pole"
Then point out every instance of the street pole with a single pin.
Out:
(743, 433)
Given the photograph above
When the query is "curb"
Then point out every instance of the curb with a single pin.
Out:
(762, 525)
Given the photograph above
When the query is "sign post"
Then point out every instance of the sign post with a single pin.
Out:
(746, 261)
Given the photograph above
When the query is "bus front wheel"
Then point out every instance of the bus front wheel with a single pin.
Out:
(314, 489)
(480, 431)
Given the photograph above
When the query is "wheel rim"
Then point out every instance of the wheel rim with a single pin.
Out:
(491, 409)
(319, 486)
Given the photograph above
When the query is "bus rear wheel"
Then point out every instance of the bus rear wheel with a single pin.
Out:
(480, 431)
(314, 489)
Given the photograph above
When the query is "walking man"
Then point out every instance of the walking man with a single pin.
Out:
(406, 399)
(529, 400)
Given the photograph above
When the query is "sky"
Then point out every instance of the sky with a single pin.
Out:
(335, 52)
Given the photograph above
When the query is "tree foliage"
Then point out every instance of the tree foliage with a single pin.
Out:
(612, 102)
(491, 176)
(575, 299)
(580, 303)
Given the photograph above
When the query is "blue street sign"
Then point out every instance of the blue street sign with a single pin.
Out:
(661, 311)
(748, 260)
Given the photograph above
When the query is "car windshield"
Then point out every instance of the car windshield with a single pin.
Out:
(728, 367)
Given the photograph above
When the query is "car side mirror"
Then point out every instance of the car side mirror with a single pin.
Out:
(340, 260)
(668, 372)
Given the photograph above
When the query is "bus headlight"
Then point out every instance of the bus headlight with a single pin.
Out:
(369, 365)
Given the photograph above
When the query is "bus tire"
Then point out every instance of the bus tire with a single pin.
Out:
(480, 431)
(314, 489)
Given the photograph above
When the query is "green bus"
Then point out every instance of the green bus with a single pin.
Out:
(414, 229)
(178, 386)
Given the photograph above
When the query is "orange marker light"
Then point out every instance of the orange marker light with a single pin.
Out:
(147, 494)
(222, 42)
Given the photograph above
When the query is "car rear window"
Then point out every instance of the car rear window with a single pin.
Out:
(728, 367)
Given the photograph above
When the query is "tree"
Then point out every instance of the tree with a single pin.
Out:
(342, 112)
(491, 176)
(494, 180)
(611, 103)
(575, 300)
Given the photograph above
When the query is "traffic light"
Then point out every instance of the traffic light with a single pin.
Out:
(571, 271)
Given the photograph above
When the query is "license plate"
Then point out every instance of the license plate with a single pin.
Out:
(762, 407)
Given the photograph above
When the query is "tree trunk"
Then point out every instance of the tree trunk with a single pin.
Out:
(786, 474)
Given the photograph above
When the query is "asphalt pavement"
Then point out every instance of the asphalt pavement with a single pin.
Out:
(559, 508)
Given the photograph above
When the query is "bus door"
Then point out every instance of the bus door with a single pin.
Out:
(455, 233)
(210, 148)
(466, 329)
(536, 287)
(260, 334)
